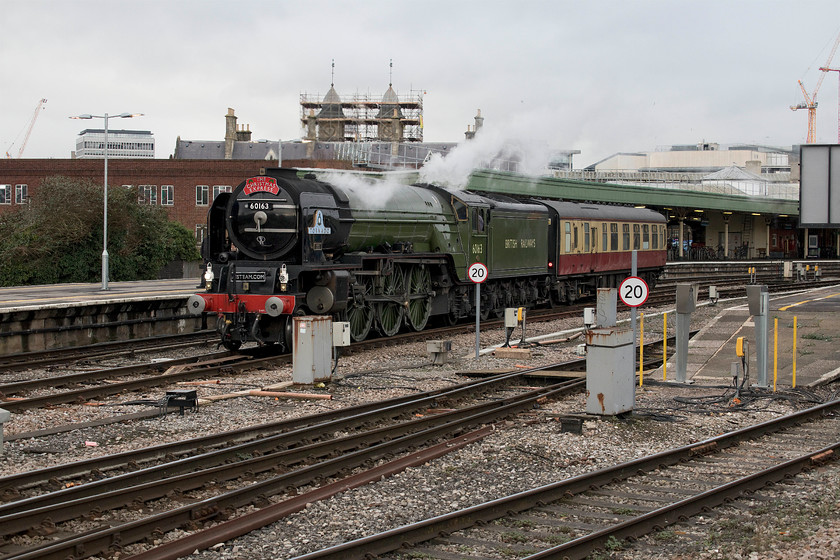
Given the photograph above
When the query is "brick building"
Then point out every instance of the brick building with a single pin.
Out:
(185, 188)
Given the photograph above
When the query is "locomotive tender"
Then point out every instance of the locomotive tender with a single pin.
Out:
(382, 256)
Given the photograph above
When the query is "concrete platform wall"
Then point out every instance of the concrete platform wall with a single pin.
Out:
(49, 328)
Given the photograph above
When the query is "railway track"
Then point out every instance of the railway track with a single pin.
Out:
(577, 516)
(103, 350)
(257, 463)
(88, 386)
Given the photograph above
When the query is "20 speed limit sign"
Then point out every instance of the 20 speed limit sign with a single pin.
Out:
(633, 291)
(477, 273)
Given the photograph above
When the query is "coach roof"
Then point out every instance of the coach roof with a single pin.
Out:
(591, 212)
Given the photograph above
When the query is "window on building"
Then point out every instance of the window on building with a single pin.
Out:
(21, 194)
(5, 194)
(637, 241)
(147, 194)
(625, 237)
(645, 236)
(202, 195)
(200, 232)
(217, 189)
(167, 195)
(613, 237)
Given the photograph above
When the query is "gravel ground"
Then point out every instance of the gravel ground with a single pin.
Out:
(796, 520)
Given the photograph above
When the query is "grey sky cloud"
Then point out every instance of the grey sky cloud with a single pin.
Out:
(597, 76)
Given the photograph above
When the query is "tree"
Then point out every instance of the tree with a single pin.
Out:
(58, 236)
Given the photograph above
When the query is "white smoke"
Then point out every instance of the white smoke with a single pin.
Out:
(370, 192)
(514, 147)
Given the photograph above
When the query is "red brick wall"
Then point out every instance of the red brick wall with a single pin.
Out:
(184, 175)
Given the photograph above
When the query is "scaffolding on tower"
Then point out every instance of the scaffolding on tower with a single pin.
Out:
(361, 115)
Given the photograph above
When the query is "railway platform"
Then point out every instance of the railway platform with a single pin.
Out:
(36, 318)
(817, 314)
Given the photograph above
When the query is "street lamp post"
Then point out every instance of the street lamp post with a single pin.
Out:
(105, 117)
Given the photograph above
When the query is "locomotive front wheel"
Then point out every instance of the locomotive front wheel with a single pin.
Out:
(232, 345)
(228, 341)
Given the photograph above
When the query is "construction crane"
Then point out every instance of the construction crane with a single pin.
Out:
(811, 100)
(28, 130)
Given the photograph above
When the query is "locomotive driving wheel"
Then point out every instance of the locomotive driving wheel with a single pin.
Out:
(419, 302)
(359, 310)
(489, 295)
(390, 313)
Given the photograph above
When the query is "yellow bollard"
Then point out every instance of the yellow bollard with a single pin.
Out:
(794, 351)
(775, 351)
(664, 347)
(641, 348)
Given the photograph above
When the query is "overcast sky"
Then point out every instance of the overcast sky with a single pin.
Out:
(599, 76)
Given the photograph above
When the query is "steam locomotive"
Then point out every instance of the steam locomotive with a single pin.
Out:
(385, 256)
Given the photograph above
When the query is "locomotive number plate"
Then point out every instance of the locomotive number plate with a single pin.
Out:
(250, 276)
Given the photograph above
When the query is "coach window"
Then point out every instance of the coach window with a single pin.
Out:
(654, 238)
(645, 236)
(662, 238)
(613, 237)
(460, 209)
(567, 228)
(636, 237)
(604, 245)
(625, 237)
(586, 237)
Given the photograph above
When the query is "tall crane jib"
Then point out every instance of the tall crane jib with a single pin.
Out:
(28, 130)
(811, 100)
